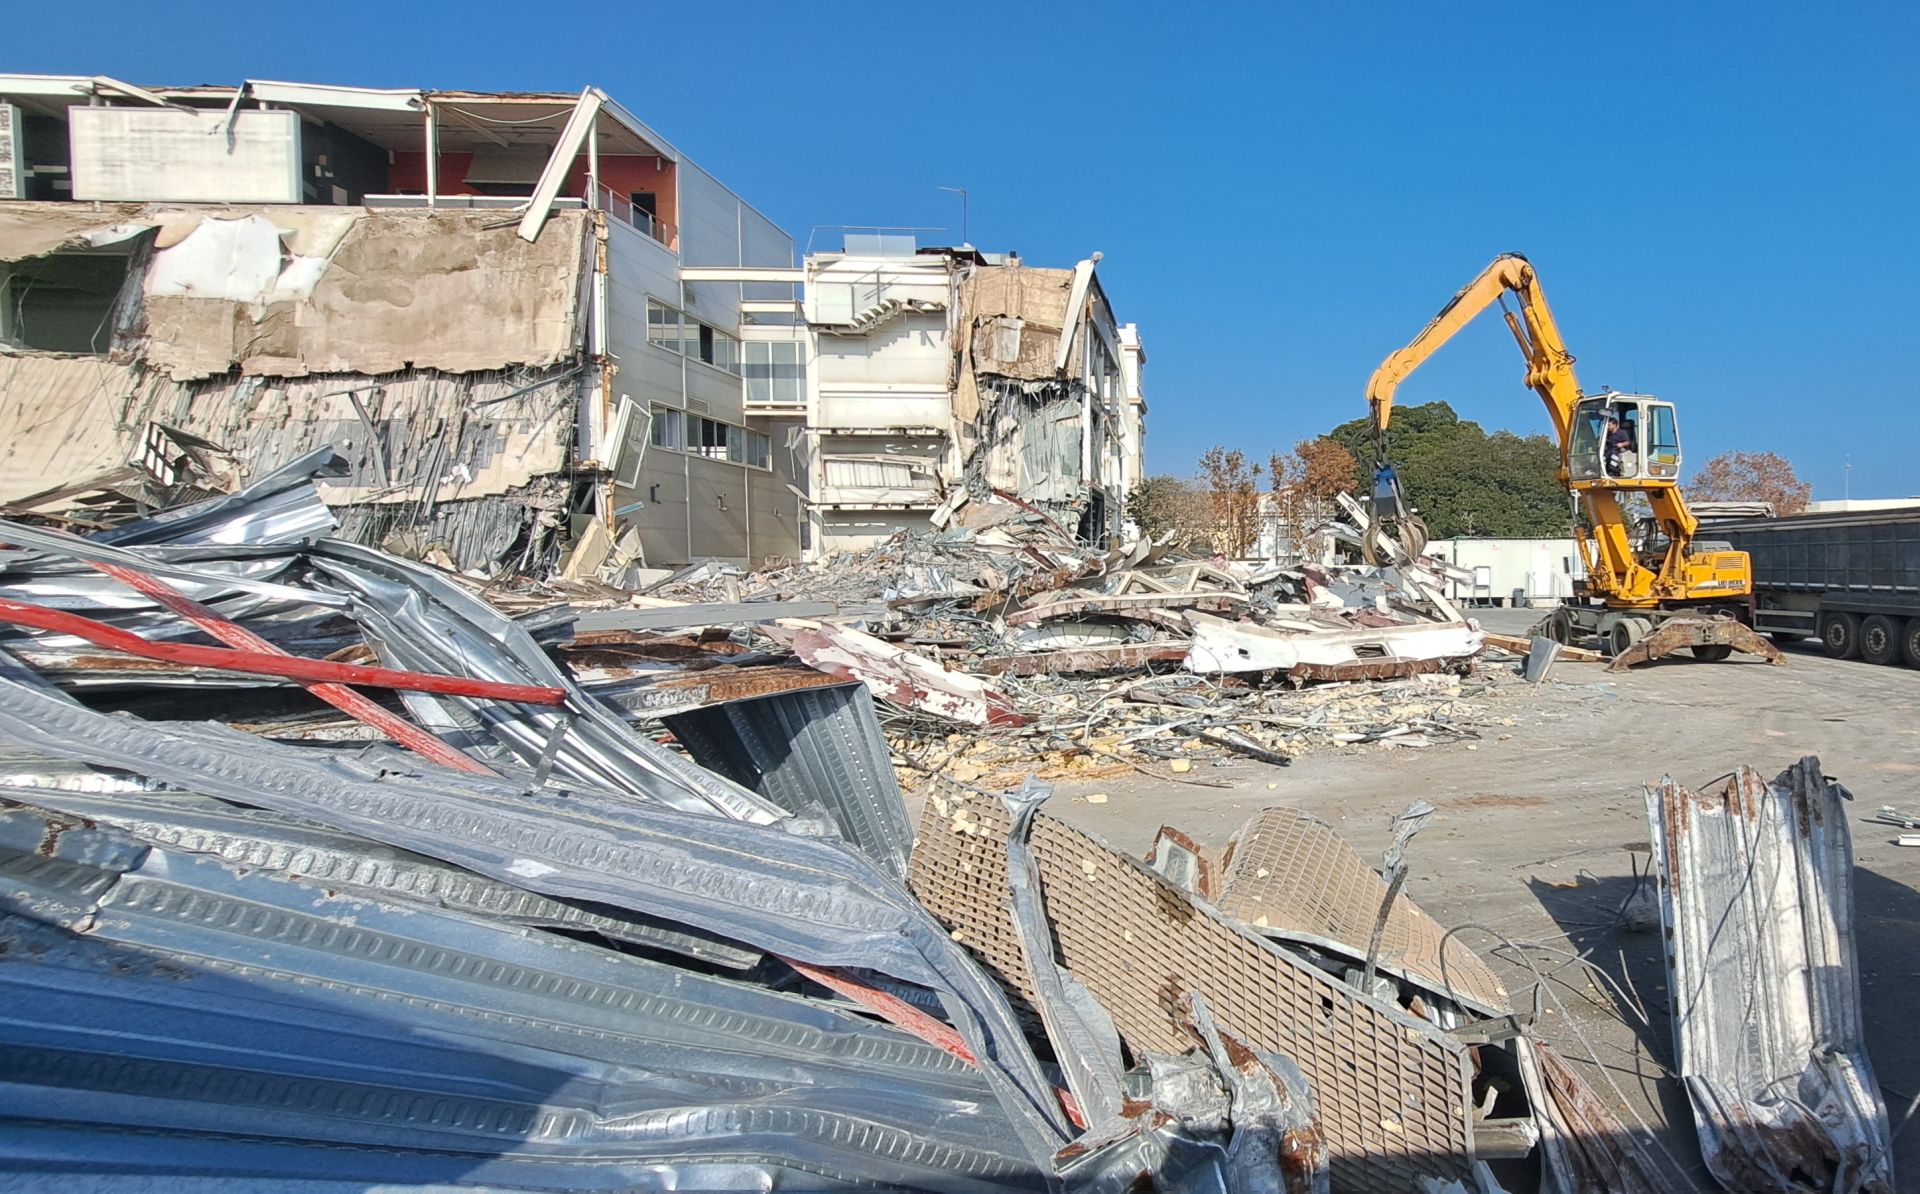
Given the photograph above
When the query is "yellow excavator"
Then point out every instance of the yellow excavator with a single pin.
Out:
(1646, 594)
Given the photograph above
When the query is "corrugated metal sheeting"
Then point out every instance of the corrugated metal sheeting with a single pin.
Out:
(1756, 887)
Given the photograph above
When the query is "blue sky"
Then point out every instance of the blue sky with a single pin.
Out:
(1720, 198)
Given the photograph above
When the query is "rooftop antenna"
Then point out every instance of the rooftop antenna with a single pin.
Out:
(962, 192)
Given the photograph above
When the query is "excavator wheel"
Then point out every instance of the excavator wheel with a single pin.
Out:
(1712, 654)
(1626, 632)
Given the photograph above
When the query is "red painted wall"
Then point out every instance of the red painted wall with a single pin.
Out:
(621, 173)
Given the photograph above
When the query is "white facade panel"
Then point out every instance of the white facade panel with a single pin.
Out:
(1543, 569)
(173, 155)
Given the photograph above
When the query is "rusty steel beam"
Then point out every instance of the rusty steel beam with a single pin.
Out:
(345, 699)
(288, 667)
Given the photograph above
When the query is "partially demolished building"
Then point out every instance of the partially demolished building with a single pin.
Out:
(945, 374)
(477, 298)
(544, 340)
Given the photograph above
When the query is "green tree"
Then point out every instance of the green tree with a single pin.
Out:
(1462, 480)
(1166, 503)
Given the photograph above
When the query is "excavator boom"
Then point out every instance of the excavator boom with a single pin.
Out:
(1611, 447)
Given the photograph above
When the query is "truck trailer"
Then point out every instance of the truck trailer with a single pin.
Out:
(1852, 580)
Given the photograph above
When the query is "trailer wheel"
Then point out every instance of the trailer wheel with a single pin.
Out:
(1910, 642)
(1840, 633)
(1879, 639)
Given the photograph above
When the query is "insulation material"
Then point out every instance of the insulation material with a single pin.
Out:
(420, 436)
(1292, 876)
(1013, 320)
(1392, 1090)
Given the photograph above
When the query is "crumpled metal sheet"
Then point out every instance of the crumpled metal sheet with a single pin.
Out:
(903, 678)
(814, 900)
(290, 845)
(417, 619)
(1290, 875)
(1392, 1091)
(170, 1018)
(809, 748)
(1756, 895)
(1585, 1146)
(280, 507)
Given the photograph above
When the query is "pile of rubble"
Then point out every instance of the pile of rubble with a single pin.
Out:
(1002, 638)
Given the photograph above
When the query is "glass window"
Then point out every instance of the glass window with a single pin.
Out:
(668, 428)
(757, 359)
(775, 372)
(789, 373)
(759, 453)
(714, 347)
(708, 437)
(1663, 443)
(1589, 429)
(663, 325)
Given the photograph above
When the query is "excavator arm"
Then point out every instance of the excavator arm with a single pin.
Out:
(1549, 364)
(1614, 569)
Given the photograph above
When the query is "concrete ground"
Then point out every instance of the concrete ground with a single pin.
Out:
(1538, 835)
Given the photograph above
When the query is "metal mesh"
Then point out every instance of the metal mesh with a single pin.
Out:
(1392, 1091)
(1291, 875)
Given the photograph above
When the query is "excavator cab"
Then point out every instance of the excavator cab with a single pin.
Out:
(1649, 450)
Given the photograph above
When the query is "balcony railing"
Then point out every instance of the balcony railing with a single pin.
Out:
(621, 208)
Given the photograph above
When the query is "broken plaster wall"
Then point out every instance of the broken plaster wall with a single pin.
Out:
(441, 355)
(285, 291)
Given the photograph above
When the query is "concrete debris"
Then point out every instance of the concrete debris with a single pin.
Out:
(1063, 657)
(1756, 893)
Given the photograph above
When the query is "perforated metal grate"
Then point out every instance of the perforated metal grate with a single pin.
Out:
(1392, 1091)
(1292, 875)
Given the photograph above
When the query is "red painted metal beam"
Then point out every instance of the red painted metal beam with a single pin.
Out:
(341, 697)
(290, 667)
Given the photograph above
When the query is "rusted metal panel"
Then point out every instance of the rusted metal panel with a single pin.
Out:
(1756, 894)
(1085, 659)
(1392, 1090)
(1587, 1149)
(1290, 875)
